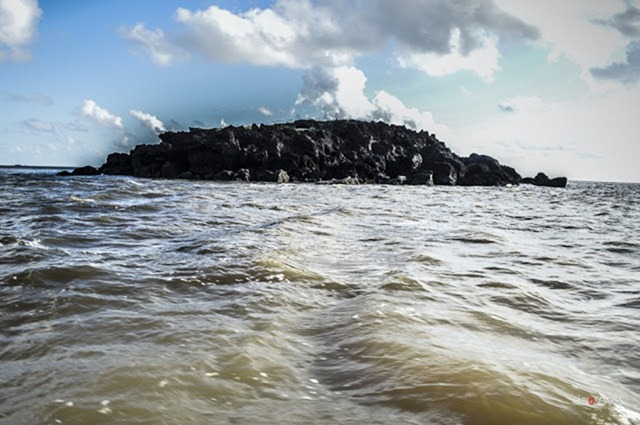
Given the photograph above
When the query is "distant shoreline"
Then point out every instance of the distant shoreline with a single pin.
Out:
(37, 167)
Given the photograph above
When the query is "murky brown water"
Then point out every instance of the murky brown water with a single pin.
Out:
(172, 302)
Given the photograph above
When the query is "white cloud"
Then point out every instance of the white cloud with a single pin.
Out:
(100, 115)
(18, 26)
(261, 37)
(108, 120)
(340, 93)
(305, 33)
(390, 109)
(483, 60)
(149, 121)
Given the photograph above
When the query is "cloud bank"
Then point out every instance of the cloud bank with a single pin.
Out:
(18, 28)
(305, 34)
(324, 39)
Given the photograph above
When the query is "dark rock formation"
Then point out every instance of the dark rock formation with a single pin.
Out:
(541, 179)
(341, 151)
(82, 171)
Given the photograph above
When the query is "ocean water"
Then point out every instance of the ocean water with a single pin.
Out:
(134, 301)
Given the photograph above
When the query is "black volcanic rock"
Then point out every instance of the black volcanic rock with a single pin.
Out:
(541, 179)
(346, 151)
(85, 171)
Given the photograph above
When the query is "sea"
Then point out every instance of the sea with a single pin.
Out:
(140, 301)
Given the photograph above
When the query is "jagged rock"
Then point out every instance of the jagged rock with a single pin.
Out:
(243, 175)
(423, 178)
(350, 180)
(342, 151)
(399, 180)
(558, 182)
(117, 164)
(444, 173)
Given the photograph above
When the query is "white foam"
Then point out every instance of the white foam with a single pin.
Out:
(627, 416)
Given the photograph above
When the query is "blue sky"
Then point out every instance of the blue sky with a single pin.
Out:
(540, 85)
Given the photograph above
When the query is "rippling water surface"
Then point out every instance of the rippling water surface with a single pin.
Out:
(138, 301)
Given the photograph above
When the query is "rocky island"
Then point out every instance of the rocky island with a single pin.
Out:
(340, 151)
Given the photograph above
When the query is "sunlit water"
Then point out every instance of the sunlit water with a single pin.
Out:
(137, 301)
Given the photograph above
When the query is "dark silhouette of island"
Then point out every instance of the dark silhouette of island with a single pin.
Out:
(339, 151)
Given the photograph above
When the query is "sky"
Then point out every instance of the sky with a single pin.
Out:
(541, 85)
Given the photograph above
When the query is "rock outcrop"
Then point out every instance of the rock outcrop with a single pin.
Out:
(87, 170)
(541, 179)
(343, 151)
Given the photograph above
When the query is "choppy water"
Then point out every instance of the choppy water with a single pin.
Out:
(136, 301)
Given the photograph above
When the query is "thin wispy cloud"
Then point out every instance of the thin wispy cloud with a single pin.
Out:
(35, 98)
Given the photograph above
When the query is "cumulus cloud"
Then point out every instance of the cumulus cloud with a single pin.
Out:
(305, 33)
(18, 27)
(149, 121)
(100, 115)
(627, 72)
(339, 93)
